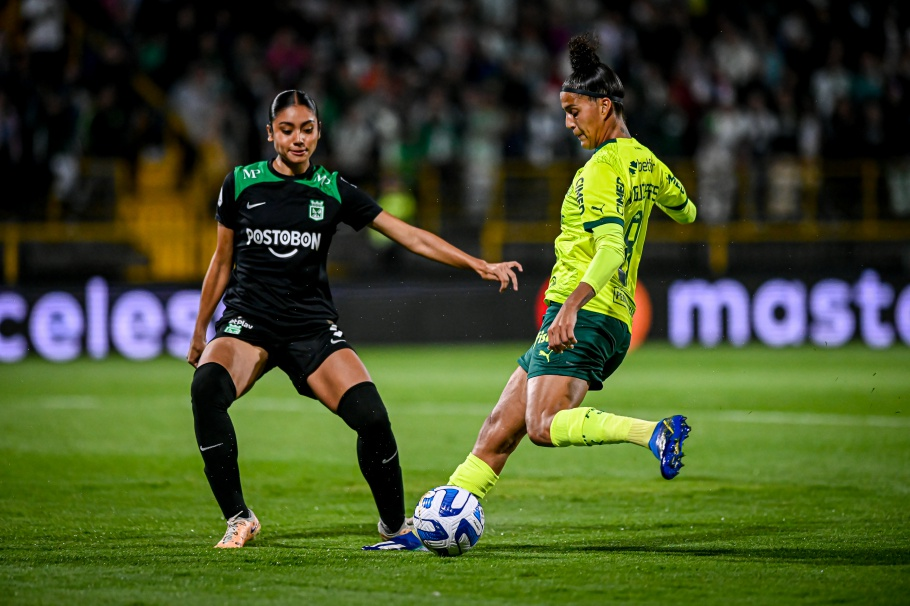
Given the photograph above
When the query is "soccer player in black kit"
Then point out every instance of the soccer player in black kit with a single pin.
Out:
(276, 220)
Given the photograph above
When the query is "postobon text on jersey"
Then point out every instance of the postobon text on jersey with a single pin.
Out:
(283, 237)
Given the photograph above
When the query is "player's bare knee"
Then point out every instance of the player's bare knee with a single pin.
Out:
(212, 389)
(539, 432)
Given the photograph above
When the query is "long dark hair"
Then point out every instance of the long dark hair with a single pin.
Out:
(589, 75)
(287, 99)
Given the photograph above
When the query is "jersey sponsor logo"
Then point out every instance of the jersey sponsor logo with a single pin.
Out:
(620, 194)
(235, 325)
(283, 237)
(322, 179)
(240, 322)
(317, 210)
(248, 205)
(599, 209)
(644, 166)
(645, 191)
(579, 194)
(672, 180)
(545, 353)
(622, 297)
(251, 173)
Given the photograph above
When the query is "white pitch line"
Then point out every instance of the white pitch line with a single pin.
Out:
(721, 416)
(276, 404)
(805, 418)
(70, 403)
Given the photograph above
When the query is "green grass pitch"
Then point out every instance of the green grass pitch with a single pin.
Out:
(795, 488)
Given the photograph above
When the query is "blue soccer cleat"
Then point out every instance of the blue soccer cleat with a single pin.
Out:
(402, 542)
(666, 443)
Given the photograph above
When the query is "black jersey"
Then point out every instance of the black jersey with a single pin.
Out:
(283, 227)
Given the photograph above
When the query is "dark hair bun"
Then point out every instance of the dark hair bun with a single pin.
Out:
(583, 53)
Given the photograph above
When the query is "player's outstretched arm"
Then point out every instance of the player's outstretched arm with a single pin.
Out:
(681, 213)
(673, 199)
(431, 246)
(216, 280)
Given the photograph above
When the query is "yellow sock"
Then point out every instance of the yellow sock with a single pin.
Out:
(475, 476)
(588, 426)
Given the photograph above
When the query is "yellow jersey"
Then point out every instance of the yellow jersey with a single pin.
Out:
(618, 185)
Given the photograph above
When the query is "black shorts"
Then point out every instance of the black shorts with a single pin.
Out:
(298, 352)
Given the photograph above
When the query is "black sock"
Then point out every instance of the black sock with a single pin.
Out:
(362, 409)
(212, 393)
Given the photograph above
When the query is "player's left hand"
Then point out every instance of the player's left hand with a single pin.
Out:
(503, 272)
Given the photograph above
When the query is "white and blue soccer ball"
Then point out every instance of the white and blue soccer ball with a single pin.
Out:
(448, 520)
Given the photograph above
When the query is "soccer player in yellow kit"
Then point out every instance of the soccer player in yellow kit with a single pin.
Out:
(586, 330)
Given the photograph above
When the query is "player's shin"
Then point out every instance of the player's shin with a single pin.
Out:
(586, 426)
(362, 409)
(212, 393)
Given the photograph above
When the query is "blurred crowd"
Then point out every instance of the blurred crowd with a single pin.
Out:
(465, 85)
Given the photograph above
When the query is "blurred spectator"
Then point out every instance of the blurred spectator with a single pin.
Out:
(61, 145)
(760, 129)
(10, 152)
(869, 81)
(109, 132)
(482, 151)
(896, 120)
(831, 84)
(197, 99)
(437, 126)
(286, 57)
(757, 95)
(717, 161)
(736, 57)
(400, 203)
(785, 169)
(45, 23)
(354, 143)
(548, 137)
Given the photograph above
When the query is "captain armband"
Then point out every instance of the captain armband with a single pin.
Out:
(684, 213)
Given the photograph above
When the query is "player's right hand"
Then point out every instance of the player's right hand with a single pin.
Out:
(561, 334)
(197, 344)
(503, 272)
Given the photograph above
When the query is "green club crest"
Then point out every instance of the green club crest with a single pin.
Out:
(317, 210)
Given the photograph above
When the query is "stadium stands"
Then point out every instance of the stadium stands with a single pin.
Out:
(788, 121)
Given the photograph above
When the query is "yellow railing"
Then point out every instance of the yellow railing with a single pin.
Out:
(12, 235)
(173, 229)
(503, 228)
(175, 232)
